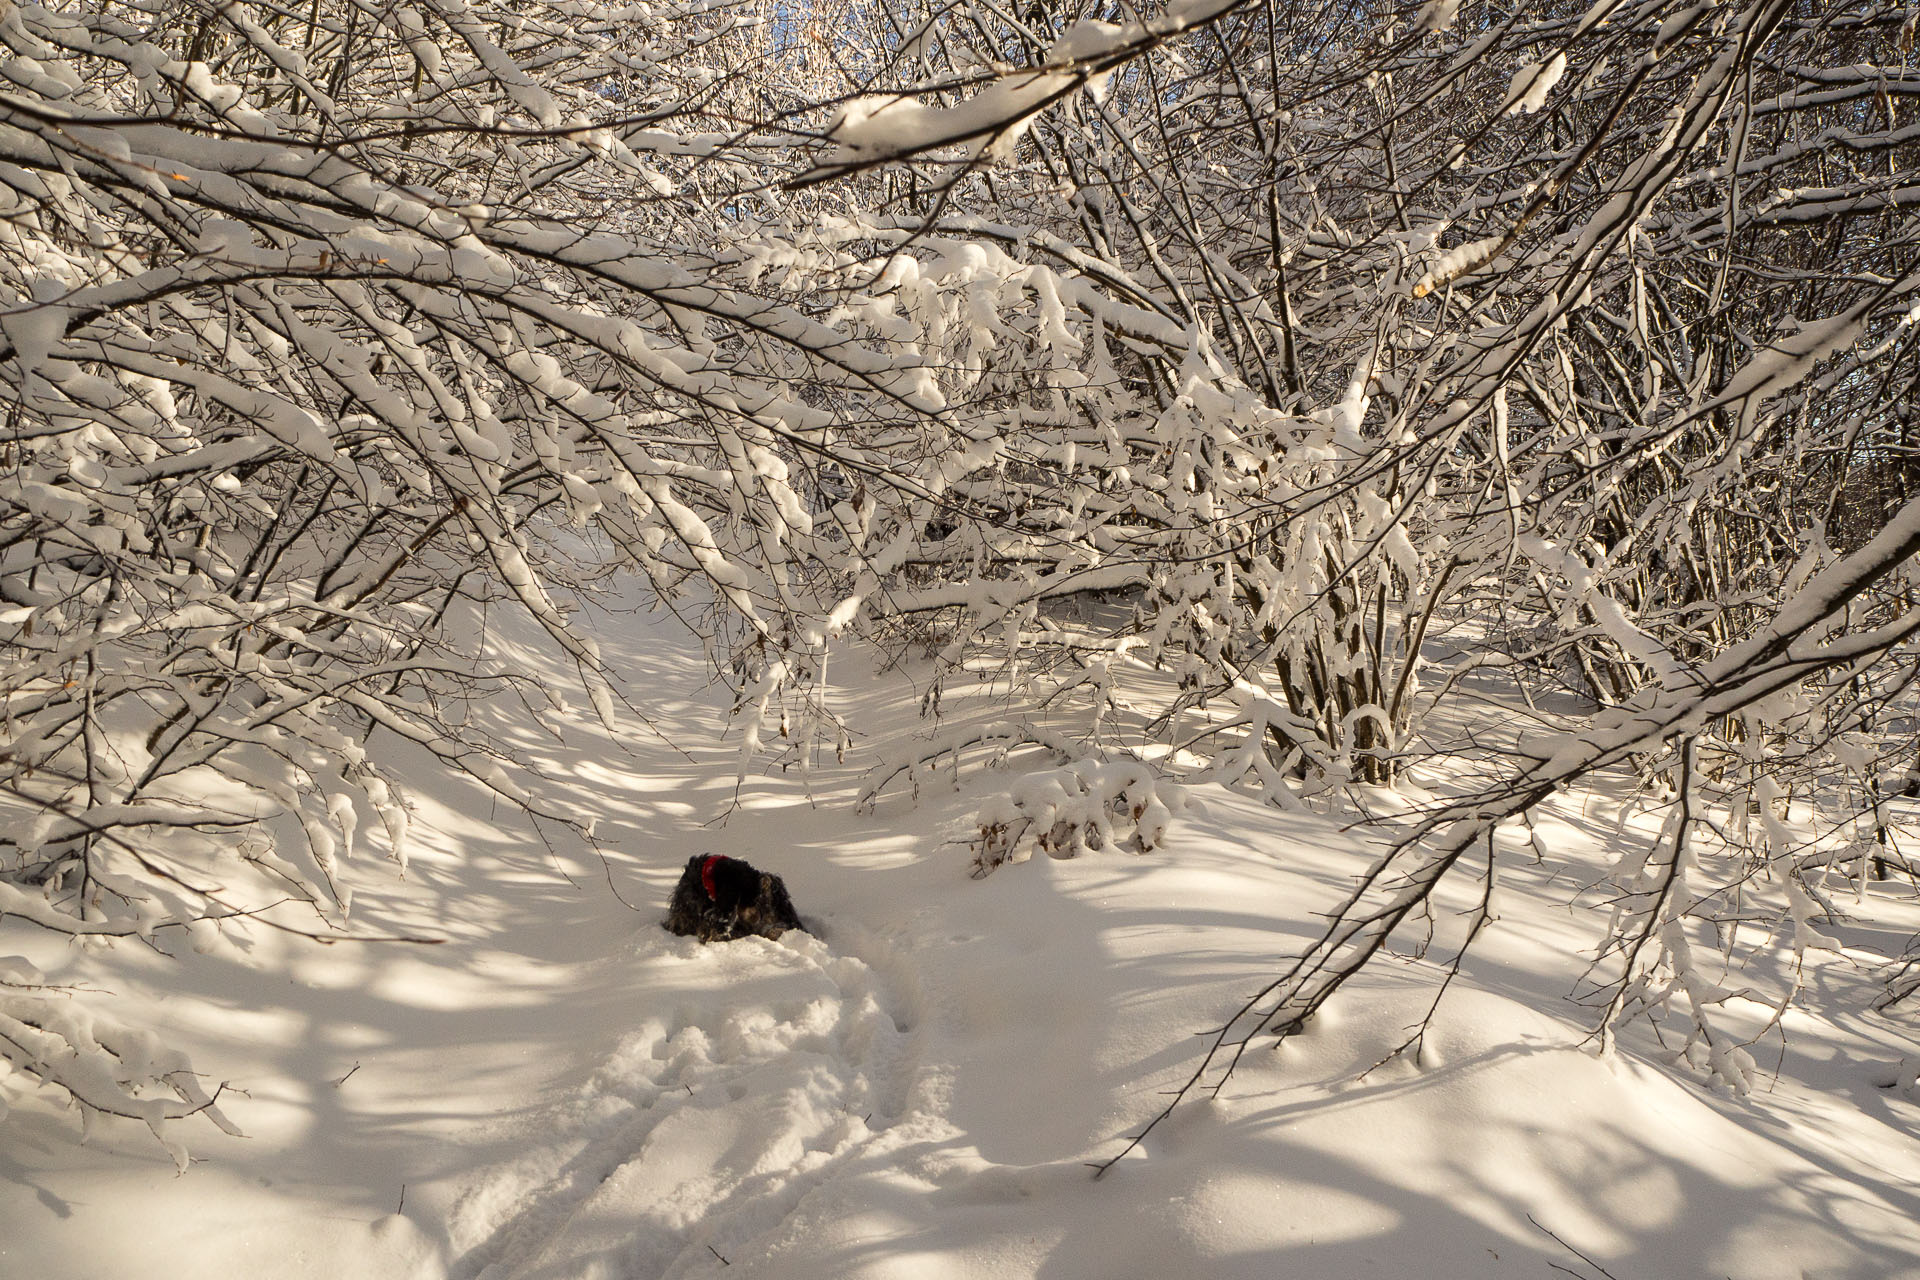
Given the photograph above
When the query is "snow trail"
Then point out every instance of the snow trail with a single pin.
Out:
(781, 1061)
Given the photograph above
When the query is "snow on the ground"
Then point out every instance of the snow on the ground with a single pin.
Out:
(560, 1089)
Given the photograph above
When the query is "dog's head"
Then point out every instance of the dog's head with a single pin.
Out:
(730, 884)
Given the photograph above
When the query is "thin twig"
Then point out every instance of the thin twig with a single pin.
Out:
(1570, 1249)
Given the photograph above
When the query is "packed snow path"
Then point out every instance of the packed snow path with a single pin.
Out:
(711, 1125)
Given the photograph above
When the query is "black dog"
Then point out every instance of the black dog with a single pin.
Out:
(719, 899)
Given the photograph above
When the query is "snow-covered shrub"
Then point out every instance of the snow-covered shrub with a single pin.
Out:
(103, 1067)
(1087, 805)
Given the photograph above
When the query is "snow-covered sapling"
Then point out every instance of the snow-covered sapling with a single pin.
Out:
(1089, 804)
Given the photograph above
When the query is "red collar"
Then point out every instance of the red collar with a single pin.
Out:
(707, 864)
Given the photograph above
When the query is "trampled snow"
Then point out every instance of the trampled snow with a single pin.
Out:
(915, 1089)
